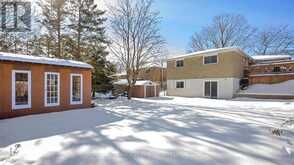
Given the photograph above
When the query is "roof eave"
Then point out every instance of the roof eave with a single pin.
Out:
(217, 51)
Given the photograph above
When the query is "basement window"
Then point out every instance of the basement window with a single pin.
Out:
(180, 84)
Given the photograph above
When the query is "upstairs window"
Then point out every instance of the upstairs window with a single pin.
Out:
(179, 63)
(277, 69)
(180, 84)
(210, 59)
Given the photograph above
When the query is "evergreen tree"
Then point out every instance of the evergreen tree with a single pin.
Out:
(89, 42)
(54, 20)
(101, 82)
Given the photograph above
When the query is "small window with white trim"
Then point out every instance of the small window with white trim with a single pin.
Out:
(180, 84)
(21, 89)
(179, 63)
(210, 59)
(52, 91)
(76, 92)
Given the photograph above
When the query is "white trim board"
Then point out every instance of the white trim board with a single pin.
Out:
(29, 105)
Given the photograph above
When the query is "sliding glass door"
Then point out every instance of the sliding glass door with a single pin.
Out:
(211, 89)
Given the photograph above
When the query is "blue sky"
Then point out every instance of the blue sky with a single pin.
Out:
(181, 18)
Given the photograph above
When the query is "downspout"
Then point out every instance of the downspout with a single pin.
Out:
(144, 90)
(155, 94)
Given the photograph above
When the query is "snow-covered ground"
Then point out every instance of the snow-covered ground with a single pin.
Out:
(284, 88)
(165, 130)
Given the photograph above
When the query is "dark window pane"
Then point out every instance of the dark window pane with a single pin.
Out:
(180, 63)
(213, 89)
(210, 89)
(210, 60)
(277, 69)
(180, 84)
(207, 89)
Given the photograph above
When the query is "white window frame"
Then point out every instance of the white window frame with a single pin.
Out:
(45, 90)
(29, 105)
(203, 59)
(217, 81)
(71, 89)
(180, 81)
(179, 60)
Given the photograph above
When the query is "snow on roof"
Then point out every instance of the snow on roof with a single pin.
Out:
(271, 57)
(42, 60)
(138, 82)
(119, 74)
(274, 63)
(284, 88)
(209, 51)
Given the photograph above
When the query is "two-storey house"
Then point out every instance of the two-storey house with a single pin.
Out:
(213, 73)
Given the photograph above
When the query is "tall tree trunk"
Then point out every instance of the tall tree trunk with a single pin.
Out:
(48, 46)
(59, 53)
(129, 92)
(79, 36)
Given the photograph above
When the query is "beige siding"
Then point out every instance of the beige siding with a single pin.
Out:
(230, 64)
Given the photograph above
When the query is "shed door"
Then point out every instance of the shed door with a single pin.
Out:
(148, 91)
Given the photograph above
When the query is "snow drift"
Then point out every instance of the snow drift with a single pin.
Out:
(284, 88)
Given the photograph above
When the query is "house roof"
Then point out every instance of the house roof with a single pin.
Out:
(274, 63)
(138, 82)
(42, 60)
(270, 57)
(208, 51)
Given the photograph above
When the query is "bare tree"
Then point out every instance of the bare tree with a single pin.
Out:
(161, 61)
(135, 36)
(275, 40)
(226, 30)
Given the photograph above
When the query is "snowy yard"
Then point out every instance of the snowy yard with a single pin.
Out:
(166, 130)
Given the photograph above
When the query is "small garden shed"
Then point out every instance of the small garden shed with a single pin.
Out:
(142, 88)
(36, 84)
